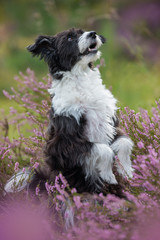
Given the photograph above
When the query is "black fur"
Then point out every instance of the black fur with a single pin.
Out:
(61, 51)
(102, 39)
(65, 133)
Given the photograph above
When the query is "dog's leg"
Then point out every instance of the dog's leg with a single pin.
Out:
(122, 147)
(101, 160)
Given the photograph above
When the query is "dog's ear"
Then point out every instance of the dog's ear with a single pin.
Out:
(103, 39)
(43, 47)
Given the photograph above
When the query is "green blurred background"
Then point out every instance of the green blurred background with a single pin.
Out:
(132, 52)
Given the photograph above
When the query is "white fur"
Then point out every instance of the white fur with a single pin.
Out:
(123, 147)
(85, 42)
(81, 92)
(101, 159)
(68, 212)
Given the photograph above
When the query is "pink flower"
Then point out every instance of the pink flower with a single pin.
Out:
(7, 95)
(12, 110)
(37, 191)
(63, 180)
(73, 190)
(16, 167)
(140, 144)
(5, 153)
(60, 198)
(49, 188)
(77, 201)
(36, 165)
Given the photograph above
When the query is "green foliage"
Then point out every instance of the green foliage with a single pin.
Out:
(134, 83)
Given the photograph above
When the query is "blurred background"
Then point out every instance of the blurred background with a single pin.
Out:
(131, 55)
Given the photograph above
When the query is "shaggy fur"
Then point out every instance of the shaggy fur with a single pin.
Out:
(83, 133)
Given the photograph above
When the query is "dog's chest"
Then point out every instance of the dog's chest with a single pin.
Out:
(86, 95)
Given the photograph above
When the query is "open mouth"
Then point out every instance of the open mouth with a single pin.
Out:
(91, 49)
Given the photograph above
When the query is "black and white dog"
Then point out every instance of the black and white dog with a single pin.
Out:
(84, 136)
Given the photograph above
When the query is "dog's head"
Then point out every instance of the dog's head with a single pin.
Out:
(64, 50)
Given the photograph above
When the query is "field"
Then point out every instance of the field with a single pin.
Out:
(130, 68)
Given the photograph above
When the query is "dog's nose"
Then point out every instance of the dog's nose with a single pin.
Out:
(92, 34)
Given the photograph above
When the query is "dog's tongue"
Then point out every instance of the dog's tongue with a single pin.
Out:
(92, 49)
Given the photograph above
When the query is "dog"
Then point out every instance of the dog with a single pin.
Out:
(83, 133)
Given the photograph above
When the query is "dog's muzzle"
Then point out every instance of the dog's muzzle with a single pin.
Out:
(89, 42)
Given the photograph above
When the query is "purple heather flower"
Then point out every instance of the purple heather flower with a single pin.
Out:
(60, 197)
(16, 167)
(140, 145)
(7, 95)
(77, 201)
(3, 156)
(37, 191)
(12, 110)
(36, 165)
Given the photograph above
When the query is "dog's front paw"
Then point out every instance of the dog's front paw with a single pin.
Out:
(125, 171)
(129, 172)
(108, 177)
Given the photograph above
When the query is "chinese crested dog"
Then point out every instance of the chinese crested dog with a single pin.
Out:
(83, 134)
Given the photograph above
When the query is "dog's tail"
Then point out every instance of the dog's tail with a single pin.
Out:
(18, 182)
(29, 180)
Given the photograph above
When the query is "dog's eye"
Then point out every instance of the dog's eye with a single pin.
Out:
(69, 39)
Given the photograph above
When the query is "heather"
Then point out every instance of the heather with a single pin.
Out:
(95, 217)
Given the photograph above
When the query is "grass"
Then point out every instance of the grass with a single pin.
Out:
(5, 114)
(133, 84)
